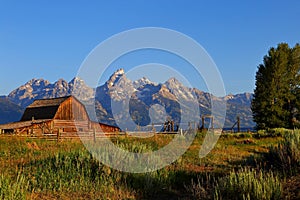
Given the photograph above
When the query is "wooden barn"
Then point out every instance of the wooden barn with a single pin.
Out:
(57, 115)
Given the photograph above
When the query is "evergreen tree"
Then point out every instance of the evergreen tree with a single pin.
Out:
(277, 92)
(295, 87)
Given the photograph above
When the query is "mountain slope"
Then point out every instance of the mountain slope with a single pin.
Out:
(239, 105)
(9, 111)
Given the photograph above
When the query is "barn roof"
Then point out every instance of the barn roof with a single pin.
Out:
(48, 102)
(104, 124)
(43, 108)
(15, 125)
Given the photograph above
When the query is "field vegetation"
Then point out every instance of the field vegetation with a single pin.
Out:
(262, 165)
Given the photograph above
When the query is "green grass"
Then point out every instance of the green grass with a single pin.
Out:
(249, 184)
(13, 189)
(40, 169)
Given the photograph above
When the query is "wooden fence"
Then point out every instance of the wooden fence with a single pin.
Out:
(60, 135)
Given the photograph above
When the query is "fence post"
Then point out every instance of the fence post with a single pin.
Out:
(94, 135)
(58, 135)
(31, 131)
(43, 128)
(238, 124)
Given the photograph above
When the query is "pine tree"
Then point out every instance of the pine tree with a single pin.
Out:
(295, 87)
(276, 96)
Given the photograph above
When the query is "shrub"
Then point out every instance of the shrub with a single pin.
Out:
(244, 135)
(278, 132)
(275, 132)
(237, 135)
(202, 187)
(286, 155)
(260, 134)
(196, 190)
(248, 184)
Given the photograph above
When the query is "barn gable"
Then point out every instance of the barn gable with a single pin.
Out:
(71, 109)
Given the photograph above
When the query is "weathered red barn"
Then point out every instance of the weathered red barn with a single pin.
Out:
(50, 116)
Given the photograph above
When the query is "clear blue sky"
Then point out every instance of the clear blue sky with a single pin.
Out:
(50, 39)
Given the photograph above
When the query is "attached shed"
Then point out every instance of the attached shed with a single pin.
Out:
(49, 116)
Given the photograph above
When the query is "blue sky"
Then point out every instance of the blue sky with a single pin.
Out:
(50, 39)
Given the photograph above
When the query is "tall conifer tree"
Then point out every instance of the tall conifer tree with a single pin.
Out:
(276, 96)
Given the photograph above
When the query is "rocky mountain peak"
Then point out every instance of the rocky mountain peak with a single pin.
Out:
(79, 89)
(248, 95)
(179, 90)
(61, 83)
(77, 83)
(229, 96)
(76, 80)
(165, 93)
(115, 77)
(242, 99)
(143, 81)
(120, 71)
(29, 90)
(173, 80)
(39, 81)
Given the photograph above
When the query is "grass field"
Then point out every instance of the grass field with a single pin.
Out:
(263, 165)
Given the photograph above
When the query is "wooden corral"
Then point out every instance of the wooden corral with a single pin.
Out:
(65, 115)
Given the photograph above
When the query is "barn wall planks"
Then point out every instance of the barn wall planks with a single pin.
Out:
(71, 109)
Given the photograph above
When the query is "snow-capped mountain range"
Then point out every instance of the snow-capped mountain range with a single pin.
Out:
(118, 92)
